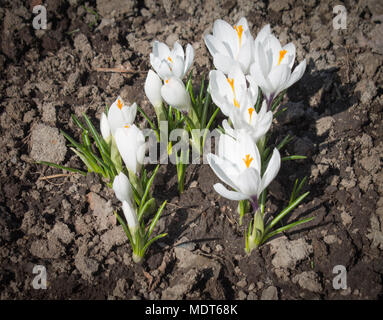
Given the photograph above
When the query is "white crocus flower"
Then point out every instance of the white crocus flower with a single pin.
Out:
(174, 93)
(131, 217)
(231, 93)
(152, 88)
(130, 142)
(272, 67)
(255, 124)
(230, 45)
(119, 116)
(171, 63)
(122, 188)
(238, 164)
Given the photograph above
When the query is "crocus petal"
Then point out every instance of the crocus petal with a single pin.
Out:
(178, 67)
(272, 169)
(175, 94)
(188, 58)
(130, 142)
(231, 195)
(215, 46)
(115, 117)
(152, 88)
(223, 63)
(104, 126)
(278, 77)
(130, 216)
(297, 74)
(129, 114)
(265, 32)
(249, 182)
(290, 54)
(122, 188)
(218, 165)
(178, 50)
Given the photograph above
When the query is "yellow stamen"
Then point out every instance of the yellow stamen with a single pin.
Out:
(127, 126)
(167, 81)
(119, 104)
(281, 55)
(239, 30)
(251, 110)
(170, 59)
(231, 82)
(247, 160)
(236, 104)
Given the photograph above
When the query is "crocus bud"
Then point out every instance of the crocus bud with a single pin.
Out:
(122, 188)
(130, 142)
(153, 86)
(104, 127)
(175, 94)
(131, 217)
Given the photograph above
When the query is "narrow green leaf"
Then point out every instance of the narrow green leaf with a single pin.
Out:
(152, 125)
(78, 122)
(151, 241)
(154, 221)
(285, 228)
(294, 157)
(147, 189)
(58, 166)
(286, 211)
(125, 227)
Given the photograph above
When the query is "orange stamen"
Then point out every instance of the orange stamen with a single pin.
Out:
(247, 160)
(236, 104)
(239, 30)
(231, 82)
(119, 104)
(281, 55)
(170, 59)
(167, 81)
(251, 110)
(127, 126)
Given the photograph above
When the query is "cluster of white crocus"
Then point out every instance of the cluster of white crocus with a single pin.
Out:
(244, 65)
(117, 126)
(263, 61)
(166, 82)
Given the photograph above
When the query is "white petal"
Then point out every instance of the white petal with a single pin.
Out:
(249, 182)
(189, 58)
(231, 195)
(115, 117)
(223, 63)
(152, 88)
(122, 188)
(104, 126)
(289, 57)
(279, 77)
(175, 94)
(220, 168)
(178, 50)
(178, 67)
(130, 216)
(129, 113)
(272, 169)
(265, 32)
(297, 74)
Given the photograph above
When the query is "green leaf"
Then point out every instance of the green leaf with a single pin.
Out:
(152, 125)
(55, 165)
(294, 157)
(125, 227)
(78, 122)
(285, 141)
(286, 211)
(150, 242)
(154, 221)
(147, 189)
(278, 100)
(285, 228)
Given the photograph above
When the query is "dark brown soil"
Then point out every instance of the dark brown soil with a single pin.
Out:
(67, 225)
